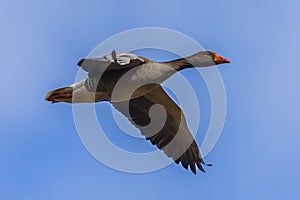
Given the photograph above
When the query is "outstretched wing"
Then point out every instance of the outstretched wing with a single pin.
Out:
(110, 62)
(174, 137)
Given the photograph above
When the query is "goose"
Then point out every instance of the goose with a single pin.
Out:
(140, 89)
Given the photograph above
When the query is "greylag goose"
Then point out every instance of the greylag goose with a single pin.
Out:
(174, 138)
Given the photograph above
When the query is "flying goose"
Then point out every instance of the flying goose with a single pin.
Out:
(174, 138)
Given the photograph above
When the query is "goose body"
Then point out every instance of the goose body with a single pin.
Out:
(127, 79)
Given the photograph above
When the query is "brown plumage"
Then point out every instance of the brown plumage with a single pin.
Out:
(174, 137)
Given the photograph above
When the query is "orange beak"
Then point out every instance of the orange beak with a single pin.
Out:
(220, 60)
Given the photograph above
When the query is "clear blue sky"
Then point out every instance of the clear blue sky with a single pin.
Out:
(257, 156)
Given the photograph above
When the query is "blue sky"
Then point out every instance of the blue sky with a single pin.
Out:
(257, 156)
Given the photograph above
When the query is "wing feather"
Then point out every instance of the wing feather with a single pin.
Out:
(174, 138)
(110, 62)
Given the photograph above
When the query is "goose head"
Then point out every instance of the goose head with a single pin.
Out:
(205, 58)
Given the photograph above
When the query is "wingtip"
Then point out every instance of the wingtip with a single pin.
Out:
(114, 55)
(200, 166)
(80, 62)
(208, 165)
(193, 168)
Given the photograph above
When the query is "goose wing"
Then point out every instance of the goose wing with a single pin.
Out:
(174, 138)
(110, 62)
